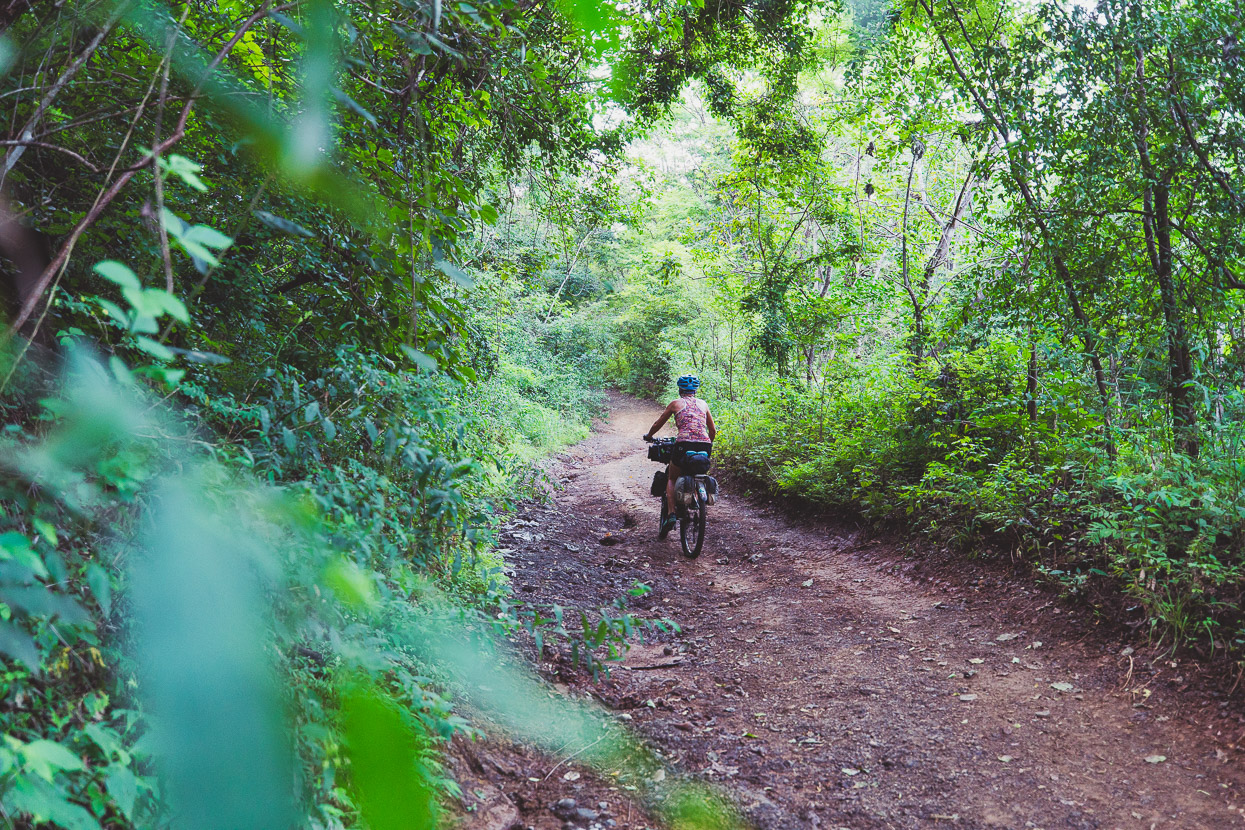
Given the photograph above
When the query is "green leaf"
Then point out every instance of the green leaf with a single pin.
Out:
(18, 548)
(122, 785)
(352, 584)
(46, 529)
(33, 796)
(455, 273)
(171, 303)
(390, 782)
(101, 587)
(209, 236)
(196, 356)
(114, 311)
(289, 438)
(46, 758)
(439, 44)
(154, 348)
(488, 213)
(37, 601)
(330, 431)
(20, 646)
(423, 361)
(353, 105)
(417, 42)
(118, 273)
(280, 224)
(186, 170)
(108, 741)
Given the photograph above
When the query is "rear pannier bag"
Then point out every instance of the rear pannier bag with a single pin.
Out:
(658, 487)
(695, 463)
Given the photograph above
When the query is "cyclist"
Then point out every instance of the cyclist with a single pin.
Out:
(696, 434)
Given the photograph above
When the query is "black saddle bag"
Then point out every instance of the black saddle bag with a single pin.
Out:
(658, 487)
(695, 463)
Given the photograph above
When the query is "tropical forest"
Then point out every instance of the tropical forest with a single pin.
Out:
(334, 332)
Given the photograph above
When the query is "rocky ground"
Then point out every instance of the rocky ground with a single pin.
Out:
(823, 679)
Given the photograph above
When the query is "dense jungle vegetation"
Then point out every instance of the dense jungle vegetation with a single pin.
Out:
(297, 292)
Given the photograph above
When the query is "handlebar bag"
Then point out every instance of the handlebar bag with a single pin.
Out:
(658, 487)
(695, 463)
(661, 452)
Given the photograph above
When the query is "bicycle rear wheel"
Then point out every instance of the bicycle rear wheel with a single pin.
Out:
(692, 531)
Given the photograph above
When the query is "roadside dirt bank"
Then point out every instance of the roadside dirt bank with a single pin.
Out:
(820, 685)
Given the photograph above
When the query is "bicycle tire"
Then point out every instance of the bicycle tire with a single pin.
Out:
(662, 532)
(693, 526)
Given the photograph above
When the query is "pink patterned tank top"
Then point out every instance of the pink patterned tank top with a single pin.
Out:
(692, 421)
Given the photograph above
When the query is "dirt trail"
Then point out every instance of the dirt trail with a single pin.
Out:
(822, 687)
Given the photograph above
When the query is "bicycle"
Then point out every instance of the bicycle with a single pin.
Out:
(693, 493)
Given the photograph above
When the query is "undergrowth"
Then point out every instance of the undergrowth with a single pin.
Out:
(949, 449)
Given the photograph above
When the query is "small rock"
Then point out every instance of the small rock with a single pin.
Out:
(1045, 713)
(565, 807)
(528, 589)
(584, 814)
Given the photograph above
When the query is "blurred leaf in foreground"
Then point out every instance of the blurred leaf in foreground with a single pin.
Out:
(390, 781)
(204, 670)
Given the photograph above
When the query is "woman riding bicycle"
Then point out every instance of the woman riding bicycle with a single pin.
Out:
(696, 434)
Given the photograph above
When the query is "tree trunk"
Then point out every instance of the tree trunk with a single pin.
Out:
(1157, 227)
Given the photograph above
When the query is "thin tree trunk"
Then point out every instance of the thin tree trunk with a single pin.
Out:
(1157, 227)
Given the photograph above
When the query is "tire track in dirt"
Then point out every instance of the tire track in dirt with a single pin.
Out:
(821, 690)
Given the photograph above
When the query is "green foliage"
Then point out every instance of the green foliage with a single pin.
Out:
(978, 278)
(297, 217)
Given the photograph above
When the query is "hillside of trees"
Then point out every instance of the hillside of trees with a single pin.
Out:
(299, 294)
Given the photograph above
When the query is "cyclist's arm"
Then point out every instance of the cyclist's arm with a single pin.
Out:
(713, 428)
(661, 422)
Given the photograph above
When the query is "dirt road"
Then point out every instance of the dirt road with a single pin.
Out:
(822, 686)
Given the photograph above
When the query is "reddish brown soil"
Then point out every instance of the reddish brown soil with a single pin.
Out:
(821, 683)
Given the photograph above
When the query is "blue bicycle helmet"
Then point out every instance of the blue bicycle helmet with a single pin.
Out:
(689, 383)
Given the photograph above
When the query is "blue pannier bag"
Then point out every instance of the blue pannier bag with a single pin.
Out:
(695, 463)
